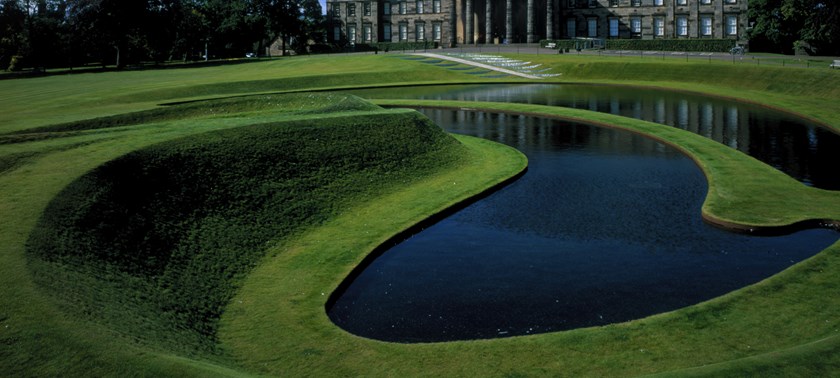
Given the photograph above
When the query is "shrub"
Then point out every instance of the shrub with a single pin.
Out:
(321, 48)
(560, 43)
(693, 45)
(16, 63)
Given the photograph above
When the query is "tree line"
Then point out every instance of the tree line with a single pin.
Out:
(72, 33)
(795, 26)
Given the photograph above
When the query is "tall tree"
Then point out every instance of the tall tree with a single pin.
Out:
(784, 26)
(160, 28)
(768, 33)
(32, 32)
(314, 26)
(12, 31)
(233, 26)
(284, 20)
(121, 31)
(821, 27)
(192, 31)
(45, 34)
(111, 28)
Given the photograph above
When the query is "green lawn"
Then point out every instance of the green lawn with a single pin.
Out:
(71, 306)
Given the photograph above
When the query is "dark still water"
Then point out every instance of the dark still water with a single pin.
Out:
(604, 227)
(803, 150)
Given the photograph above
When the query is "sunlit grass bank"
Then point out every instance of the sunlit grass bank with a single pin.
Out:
(812, 93)
(59, 99)
(49, 100)
(204, 239)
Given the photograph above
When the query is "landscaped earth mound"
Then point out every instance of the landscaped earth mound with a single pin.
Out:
(154, 243)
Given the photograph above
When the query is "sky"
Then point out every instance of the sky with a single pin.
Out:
(323, 6)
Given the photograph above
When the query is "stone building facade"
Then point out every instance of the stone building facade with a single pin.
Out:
(452, 22)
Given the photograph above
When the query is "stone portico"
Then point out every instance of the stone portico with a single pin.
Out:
(454, 22)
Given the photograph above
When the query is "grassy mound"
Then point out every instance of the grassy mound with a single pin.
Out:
(154, 243)
(276, 324)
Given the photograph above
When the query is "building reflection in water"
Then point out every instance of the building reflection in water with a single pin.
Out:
(800, 148)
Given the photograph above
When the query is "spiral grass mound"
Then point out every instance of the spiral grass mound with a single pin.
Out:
(154, 243)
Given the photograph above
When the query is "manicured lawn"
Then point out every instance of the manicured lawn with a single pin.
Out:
(91, 312)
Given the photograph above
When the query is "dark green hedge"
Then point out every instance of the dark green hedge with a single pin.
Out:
(376, 47)
(560, 43)
(693, 45)
(398, 46)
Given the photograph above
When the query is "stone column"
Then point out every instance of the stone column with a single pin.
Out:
(549, 19)
(693, 22)
(509, 21)
(453, 24)
(468, 23)
(488, 23)
(530, 28)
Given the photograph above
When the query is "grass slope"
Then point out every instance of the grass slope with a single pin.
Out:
(45, 101)
(275, 323)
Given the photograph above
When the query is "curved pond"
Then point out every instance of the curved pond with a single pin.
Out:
(789, 143)
(604, 227)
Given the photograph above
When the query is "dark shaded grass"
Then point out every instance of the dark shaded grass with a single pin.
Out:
(154, 244)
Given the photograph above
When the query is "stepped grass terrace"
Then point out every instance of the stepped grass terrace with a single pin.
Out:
(72, 305)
